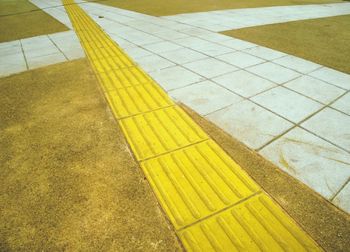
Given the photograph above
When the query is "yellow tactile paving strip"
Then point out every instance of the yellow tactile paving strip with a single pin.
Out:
(212, 203)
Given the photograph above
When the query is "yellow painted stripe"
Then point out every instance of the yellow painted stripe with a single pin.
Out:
(212, 203)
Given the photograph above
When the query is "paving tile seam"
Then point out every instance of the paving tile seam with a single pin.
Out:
(25, 58)
(174, 125)
(58, 48)
(340, 189)
(219, 211)
(295, 125)
(324, 105)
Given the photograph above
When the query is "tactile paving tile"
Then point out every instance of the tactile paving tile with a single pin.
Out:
(257, 224)
(197, 181)
(122, 78)
(158, 132)
(136, 100)
(107, 64)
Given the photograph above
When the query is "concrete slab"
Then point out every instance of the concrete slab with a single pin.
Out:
(273, 72)
(287, 103)
(153, 63)
(192, 42)
(297, 64)
(175, 77)
(343, 104)
(332, 76)
(45, 50)
(315, 89)
(74, 53)
(12, 63)
(137, 52)
(210, 68)
(317, 163)
(264, 53)
(183, 56)
(331, 125)
(212, 49)
(171, 35)
(342, 199)
(241, 59)
(162, 47)
(250, 123)
(10, 48)
(244, 83)
(205, 97)
(237, 44)
(45, 60)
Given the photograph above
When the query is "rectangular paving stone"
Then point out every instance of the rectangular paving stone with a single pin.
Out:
(137, 52)
(210, 68)
(131, 101)
(160, 131)
(264, 52)
(212, 49)
(297, 64)
(191, 42)
(10, 48)
(273, 72)
(45, 60)
(162, 47)
(315, 89)
(241, 59)
(74, 53)
(175, 77)
(244, 83)
(250, 123)
(331, 125)
(257, 224)
(315, 162)
(183, 56)
(237, 44)
(205, 97)
(287, 104)
(41, 52)
(153, 63)
(343, 104)
(334, 77)
(171, 35)
(342, 200)
(197, 181)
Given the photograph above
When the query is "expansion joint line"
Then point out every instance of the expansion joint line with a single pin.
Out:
(210, 200)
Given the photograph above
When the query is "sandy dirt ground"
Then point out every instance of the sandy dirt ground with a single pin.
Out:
(68, 180)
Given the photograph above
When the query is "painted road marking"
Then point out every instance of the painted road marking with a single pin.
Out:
(211, 201)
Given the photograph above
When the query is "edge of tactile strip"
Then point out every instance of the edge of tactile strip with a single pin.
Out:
(213, 204)
(195, 182)
(257, 224)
